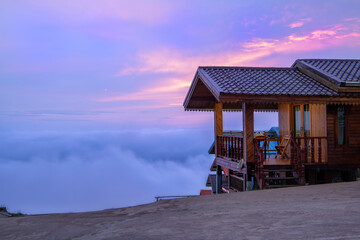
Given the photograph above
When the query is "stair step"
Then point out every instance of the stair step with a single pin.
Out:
(280, 178)
(281, 186)
(278, 170)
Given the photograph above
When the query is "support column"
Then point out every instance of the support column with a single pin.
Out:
(218, 179)
(218, 130)
(248, 135)
(218, 123)
(248, 132)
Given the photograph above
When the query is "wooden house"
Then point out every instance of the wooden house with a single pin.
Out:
(318, 105)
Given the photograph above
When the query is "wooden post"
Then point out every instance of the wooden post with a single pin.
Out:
(248, 135)
(218, 130)
(218, 179)
(248, 132)
(218, 123)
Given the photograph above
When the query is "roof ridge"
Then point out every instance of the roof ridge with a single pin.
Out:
(243, 67)
(329, 59)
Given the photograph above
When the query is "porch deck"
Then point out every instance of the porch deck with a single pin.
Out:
(276, 161)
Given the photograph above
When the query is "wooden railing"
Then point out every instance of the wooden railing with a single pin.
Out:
(230, 147)
(315, 149)
(303, 150)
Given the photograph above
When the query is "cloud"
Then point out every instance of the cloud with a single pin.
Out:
(81, 172)
(164, 89)
(299, 23)
(250, 52)
(180, 65)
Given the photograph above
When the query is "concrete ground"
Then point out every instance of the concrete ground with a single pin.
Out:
(330, 211)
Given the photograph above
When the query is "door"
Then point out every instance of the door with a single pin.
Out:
(302, 120)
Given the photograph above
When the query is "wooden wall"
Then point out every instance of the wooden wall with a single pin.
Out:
(318, 128)
(284, 119)
(285, 122)
(347, 155)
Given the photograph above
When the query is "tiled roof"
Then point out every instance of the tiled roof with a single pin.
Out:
(263, 81)
(342, 71)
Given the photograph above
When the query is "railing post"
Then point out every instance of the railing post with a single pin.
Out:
(303, 156)
(312, 150)
(292, 150)
(262, 170)
(319, 150)
(218, 179)
(305, 160)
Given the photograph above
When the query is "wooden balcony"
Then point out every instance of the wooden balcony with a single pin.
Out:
(230, 151)
(230, 146)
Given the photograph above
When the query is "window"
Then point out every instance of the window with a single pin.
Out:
(297, 121)
(341, 125)
(307, 120)
(302, 126)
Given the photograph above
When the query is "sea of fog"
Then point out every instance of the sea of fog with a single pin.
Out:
(66, 171)
(60, 172)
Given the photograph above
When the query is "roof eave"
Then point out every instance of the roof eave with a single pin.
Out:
(199, 75)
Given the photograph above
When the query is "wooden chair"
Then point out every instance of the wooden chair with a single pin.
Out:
(281, 149)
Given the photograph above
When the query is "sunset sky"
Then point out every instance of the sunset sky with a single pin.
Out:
(128, 64)
(112, 66)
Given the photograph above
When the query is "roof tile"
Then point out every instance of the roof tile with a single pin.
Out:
(265, 81)
(341, 70)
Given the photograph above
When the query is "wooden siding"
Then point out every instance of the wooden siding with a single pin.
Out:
(284, 119)
(347, 155)
(285, 122)
(318, 128)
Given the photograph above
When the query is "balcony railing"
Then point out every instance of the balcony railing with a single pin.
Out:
(309, 149)
(229, 146)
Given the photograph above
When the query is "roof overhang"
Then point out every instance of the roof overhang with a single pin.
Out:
(202, 95)
(326, 79)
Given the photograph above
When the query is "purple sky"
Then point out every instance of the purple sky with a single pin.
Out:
(73, 73)
(128, 64)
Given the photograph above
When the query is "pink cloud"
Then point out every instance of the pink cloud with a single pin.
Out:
(356, 19)
(260, 43)
(299, 23)
(165, 93)
(252, 52)
(169, 93)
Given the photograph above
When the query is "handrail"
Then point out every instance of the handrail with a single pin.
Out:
(311, 137)
(230, 135)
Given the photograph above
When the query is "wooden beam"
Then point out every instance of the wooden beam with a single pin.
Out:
(248, 131)
(293, 99)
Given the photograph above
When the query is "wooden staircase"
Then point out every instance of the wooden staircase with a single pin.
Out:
(280, 176)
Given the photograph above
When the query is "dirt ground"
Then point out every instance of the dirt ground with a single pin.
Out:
(328, 212)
